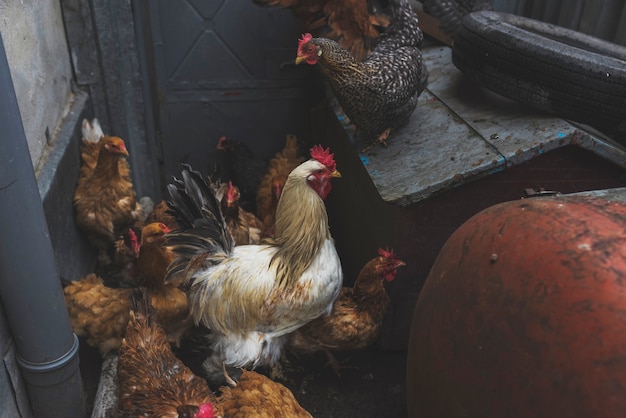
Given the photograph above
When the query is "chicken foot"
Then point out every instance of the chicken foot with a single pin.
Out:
(382, 139)
(335, 364)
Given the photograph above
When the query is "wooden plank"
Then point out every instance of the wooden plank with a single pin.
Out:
(436, 142)
(517, 131)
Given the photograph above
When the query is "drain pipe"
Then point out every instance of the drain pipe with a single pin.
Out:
(30, 289)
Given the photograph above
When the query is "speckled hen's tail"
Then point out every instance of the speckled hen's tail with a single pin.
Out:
(202, 225)
(403, 30)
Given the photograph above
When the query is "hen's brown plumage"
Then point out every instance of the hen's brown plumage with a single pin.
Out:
(152, 381)
(354, 24)
(258, 396)
(169, 301)
(380, 93)
(274, 180)
(357, 314)
(104, 200)
(97, 312)
(100, 313)
(161, 213)
(244, 226)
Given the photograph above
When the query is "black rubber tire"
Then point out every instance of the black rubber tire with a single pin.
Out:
(557, 70)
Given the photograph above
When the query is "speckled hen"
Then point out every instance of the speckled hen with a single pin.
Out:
(380, 93)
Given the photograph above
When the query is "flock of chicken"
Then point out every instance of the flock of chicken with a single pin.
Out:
(255, 282)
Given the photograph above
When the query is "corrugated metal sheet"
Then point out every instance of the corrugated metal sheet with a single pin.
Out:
(605, 19)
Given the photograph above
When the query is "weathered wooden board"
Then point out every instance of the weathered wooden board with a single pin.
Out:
(460, 132)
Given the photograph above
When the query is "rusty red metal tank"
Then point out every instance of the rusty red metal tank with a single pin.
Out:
(524, 313)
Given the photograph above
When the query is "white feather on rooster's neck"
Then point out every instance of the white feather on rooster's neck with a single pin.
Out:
(299, 241)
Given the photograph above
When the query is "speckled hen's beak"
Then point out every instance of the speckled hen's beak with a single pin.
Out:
(299, 59)
(336, 174)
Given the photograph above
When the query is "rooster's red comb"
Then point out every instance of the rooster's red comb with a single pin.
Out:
(386, 253)
(306, 37)
(324, 156)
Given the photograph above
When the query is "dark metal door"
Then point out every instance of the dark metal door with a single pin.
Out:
(224, 67)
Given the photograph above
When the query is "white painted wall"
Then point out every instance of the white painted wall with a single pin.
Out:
(36, 47)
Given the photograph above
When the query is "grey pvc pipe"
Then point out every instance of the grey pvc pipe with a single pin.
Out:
(30, 289)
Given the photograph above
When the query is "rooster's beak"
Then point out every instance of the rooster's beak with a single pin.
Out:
(336, 174)
(299, 59)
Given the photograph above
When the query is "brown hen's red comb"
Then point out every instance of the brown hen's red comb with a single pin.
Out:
(324, 156)
(387, 253)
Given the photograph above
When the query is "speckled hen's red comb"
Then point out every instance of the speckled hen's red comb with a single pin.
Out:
(324, 156)
(306, 37)
(386, 253)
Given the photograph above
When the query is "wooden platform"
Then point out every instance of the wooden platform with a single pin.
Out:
(460, 132)
(463, 150)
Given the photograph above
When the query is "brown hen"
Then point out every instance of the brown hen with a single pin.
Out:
(152, 381)
(244, 226)
(357, 314)
(258, 396)
(104, 200)
(274, 180)
(169, 301)
(354, 24)
(99, 313)
(161, 213)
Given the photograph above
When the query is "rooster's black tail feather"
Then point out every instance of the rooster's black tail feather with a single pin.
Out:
(198, 212)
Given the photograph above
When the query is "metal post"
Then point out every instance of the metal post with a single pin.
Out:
(30, 289)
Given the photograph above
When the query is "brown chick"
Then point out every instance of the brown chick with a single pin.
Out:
(274, 180)
(169, 301)
(104, 200)
(255, 395)
(244, 226)
(357, 314)
(152, 381)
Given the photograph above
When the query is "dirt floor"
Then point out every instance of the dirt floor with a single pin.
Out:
(371, 384)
